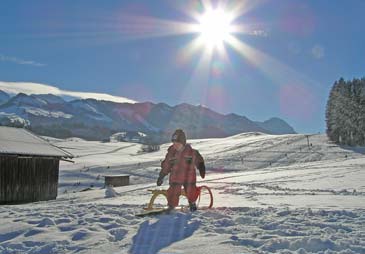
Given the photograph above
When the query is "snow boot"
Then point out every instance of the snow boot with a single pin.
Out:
(192, 207)
(169, 209)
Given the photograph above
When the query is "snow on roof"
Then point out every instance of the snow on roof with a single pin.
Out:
(24, 142)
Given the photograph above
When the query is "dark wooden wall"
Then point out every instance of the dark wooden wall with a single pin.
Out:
(28, 179)
(117, 180)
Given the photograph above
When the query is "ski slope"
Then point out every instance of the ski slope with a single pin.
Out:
(272, 194)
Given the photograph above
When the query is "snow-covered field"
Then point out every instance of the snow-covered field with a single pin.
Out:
(272, 194)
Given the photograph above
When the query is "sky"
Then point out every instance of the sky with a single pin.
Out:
(281, 62)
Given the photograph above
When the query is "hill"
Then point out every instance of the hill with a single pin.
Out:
(283, 197)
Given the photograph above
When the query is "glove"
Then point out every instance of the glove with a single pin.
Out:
(160, 180)
(201, 168)
(200, 164)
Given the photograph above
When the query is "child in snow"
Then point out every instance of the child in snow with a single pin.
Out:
(180, 162)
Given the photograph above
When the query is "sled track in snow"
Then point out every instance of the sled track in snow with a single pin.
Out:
(259, 164)
(112, 151)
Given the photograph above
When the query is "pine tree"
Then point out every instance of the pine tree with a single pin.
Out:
(330, 114)
(345, 112)
(361, 121)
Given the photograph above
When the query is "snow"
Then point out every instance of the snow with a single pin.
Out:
(19, 141)
(49, 98)
(22, 99)
(13, 118)
(110, 192)
(84, 105)
(116, 137)
(272, 194)
(90, 109)
(46, 113)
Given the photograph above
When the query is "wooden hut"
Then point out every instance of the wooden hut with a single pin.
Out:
(29, 166)
(116, 180)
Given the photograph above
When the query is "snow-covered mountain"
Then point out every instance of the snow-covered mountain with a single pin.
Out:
(4, 97)
(51, 115)
(50, 98)
(276, 125)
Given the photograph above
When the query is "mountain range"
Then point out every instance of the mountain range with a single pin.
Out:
(92, 119)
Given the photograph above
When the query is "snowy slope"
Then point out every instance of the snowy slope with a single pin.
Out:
(272, 194)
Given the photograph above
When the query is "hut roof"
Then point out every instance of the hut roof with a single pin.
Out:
(23, 142)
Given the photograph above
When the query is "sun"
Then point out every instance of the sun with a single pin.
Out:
(214, 27)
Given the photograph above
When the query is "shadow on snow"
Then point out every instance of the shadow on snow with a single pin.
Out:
(356, 149)
(168, 229)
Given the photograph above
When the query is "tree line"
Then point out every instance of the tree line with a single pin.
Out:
(345, 112)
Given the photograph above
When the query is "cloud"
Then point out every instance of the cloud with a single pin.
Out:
(34, 88)
(317, 52)
(16, 60)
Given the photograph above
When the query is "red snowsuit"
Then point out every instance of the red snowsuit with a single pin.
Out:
(181, 167)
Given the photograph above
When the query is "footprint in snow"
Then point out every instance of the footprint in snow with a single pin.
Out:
(117, 234)
(62, 220)
(105, 219)
(33, 232)
(46, 222)
(80, 235)
(9, 236)
(66, 228)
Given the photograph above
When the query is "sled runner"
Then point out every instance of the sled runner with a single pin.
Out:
(204, 201)
(153, 212)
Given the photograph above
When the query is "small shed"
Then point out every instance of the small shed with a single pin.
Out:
(116, 180)
(29, 166)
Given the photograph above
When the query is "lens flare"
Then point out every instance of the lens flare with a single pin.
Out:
(217, 68)
(218, 31)
(214, 27)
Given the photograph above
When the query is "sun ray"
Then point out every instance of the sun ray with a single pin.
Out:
(197, 86)
(191, 8)
(215, 29)
(240, 8)
(277, 71)
(200, 77)
(190, 49)
(221, 50)
(146, 27)
(207, 5)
